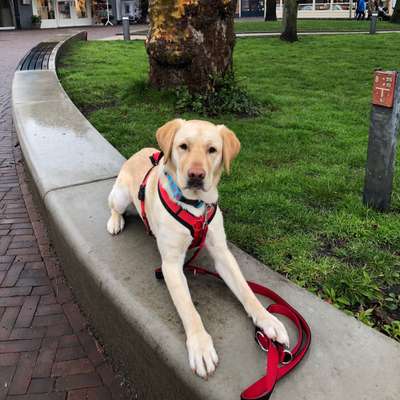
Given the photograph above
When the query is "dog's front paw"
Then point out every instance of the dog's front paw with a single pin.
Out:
(273, 328)
(115, 224)
(203, 358)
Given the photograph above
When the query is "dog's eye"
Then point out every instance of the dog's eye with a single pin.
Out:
(183, 146)
(212, 150)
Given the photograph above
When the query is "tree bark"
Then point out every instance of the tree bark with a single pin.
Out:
(289, 22)
(270, 12)
(396, 12)
(190, 42)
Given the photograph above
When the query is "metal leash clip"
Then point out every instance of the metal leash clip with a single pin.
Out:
(260, 338)
(258, 335)
(287, 358)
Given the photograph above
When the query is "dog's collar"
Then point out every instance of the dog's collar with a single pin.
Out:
(176, 191)
(178, 195)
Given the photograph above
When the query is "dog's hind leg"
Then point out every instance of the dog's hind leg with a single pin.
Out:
(118, 201)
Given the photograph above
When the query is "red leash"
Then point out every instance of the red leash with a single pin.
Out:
(280, 361)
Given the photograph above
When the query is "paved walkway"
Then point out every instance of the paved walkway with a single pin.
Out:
(46, 349)
(139, 34)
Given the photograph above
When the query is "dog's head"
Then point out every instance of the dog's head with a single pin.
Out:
(196, 152)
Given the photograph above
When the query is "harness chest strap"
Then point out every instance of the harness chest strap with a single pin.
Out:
(197, 225)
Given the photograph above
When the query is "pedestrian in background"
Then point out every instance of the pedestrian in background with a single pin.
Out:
(360, 12)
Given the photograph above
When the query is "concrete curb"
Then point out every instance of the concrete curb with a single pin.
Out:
(72, 169)
(62, 46)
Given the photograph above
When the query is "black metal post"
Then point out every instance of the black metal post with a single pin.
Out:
(385, 123)
(125, 28)
(372, 25)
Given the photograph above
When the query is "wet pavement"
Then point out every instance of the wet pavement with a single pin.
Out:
(47, 351)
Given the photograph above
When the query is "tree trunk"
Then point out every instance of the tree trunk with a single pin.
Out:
(270, 14)
(289, 22)
(396, 12)
(190, 42)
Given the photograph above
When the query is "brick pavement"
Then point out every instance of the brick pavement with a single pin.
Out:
(46, 349)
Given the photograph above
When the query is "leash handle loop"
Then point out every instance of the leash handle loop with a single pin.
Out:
(280, 361)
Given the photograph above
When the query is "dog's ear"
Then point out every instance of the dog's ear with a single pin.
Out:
(230, 148)
(165, 136)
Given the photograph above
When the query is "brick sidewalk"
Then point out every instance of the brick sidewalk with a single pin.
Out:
(46, 349)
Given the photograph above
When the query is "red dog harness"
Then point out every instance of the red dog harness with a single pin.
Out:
(197, 225)
(280, 361)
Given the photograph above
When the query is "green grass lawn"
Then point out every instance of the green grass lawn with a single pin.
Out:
(312, 25)
(294, 197)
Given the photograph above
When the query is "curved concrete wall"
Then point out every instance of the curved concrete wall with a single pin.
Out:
(73, 168)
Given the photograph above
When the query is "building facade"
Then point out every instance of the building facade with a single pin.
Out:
(17, 14)
(307, 8)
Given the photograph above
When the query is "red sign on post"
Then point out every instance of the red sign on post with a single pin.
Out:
(383, 92)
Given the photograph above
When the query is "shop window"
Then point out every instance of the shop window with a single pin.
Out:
(81, 8)
(341, 5)
(64, 9)
(252, 5)
(252, 8)
(45, 9)
(305, 5)
(322, 5)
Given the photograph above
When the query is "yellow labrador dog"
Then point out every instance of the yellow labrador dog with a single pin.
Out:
(195, 154)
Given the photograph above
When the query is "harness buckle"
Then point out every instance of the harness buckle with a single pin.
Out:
(155, 158)
(141, 193)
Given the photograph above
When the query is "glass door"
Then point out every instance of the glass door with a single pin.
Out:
(83, 12)
(46, 9)
(64, 13)
(73, 12)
